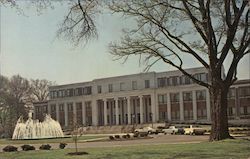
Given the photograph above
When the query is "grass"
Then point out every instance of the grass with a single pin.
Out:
(41, 141)
(228, 149)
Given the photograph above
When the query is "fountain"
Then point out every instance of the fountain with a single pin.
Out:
(33, 129)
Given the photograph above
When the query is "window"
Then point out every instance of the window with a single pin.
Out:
(53, 94)
(174, 97)
(201, 77)
(162, 98)
(173, 81)
(87, 90)
(244, 91)
(60, 93)
(185, 80)
(61, 107)
(161, 82)
(122, 86)
(231, 93)
(79, 106)
(53, 107)
(110, 87)
(187, 96)
(78, 91)
(70, 106)
(147, 83)
(134, 85)
(99, 89)
(201, 95)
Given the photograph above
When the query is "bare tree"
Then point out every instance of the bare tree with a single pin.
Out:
(40, 89)
(19, 90)
(208, 31)
(78, 25)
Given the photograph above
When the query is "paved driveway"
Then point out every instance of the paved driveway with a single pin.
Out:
(157, 139)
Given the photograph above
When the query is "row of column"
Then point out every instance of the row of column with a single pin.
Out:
(194, 102)
(129, 112)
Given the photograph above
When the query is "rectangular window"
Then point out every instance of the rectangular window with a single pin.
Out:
(78, 91)
(53, 107)
(61, 107)
(173, 81)
(161, 82)
(99, 89)
(201, 95)
(201, 77)
(147, 83)
(244, 91)
(162, 98)
(185, 80)
(110, 87)
(231, 93)
(122, 86)
(70, 106)
(134, 85)
(187, 96)
(87, 90)
(174, 97)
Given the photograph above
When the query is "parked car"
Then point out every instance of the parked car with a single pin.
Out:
(148, 130)
(173, 130)
(194, 130)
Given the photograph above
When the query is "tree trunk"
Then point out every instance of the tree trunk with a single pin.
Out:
(219, 130)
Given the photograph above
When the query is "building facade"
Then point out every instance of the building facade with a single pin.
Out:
(140, 98)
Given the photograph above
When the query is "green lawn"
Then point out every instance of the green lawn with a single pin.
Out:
(228, 149)
(56, 140)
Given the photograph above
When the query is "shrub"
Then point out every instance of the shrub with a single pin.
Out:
(128, 136)
(124, 136)
(45, 147)
(27, 147)
(117, 136)
(111, 137)
(143, 135)
(136, 135)
(9, 148)
(62, 145)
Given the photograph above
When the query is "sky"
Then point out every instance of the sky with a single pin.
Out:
(30, 48)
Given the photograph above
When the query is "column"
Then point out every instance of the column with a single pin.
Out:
(156, 107)
(208, 105)
(141, 109)
(116, 111)
(94, 113)
(194, 105)
(181, 107)
(83, 113)
(57, 112)
(74, 113)
(169, 106)
(153, 108)
(105, 111)
(129, 110)
(66, 117)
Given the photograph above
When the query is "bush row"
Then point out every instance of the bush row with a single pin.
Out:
(11, 148)
(127, 136)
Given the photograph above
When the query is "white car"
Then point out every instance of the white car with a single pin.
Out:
(148, 130)
(170, 130)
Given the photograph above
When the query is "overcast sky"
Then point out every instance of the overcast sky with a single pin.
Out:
(29, 47)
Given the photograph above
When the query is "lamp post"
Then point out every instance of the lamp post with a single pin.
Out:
(151, 117)
(133, 117)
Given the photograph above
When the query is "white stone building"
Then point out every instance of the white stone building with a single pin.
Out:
(140, 98)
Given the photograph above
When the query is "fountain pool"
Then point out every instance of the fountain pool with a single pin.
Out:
(33, 129)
